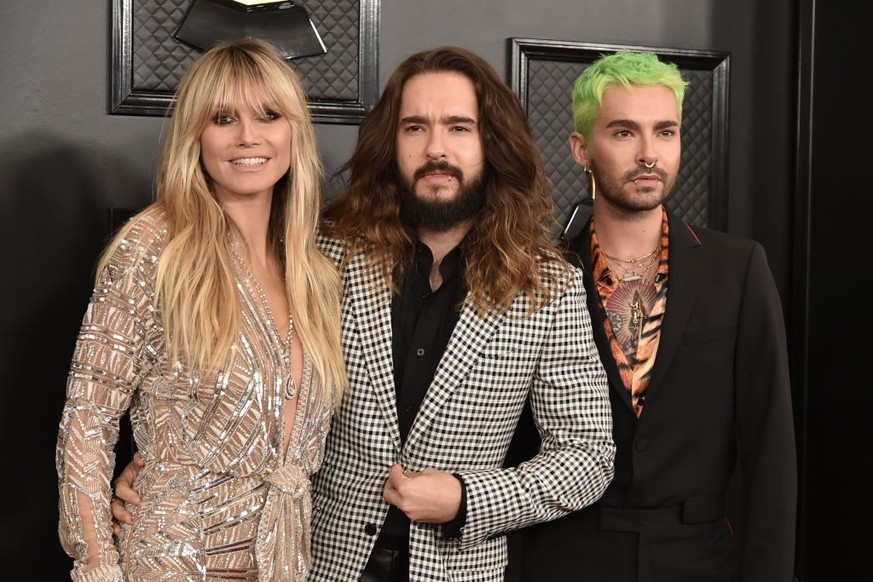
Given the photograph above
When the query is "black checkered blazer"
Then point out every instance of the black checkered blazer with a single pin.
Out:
(464, 426)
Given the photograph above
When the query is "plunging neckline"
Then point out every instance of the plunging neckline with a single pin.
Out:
(281, 344)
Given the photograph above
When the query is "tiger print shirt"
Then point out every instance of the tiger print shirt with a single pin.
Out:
(633, 310)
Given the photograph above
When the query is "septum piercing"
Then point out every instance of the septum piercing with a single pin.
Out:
(649, 166)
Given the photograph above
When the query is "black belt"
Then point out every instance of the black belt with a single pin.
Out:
(389, 559)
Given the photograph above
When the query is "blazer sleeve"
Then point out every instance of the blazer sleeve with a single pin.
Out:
(765, 430)
(570, 404)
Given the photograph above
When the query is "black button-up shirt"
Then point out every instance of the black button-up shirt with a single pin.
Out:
(422, 321)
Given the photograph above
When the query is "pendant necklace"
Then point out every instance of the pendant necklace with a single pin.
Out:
(289, 389)
(638, 268)
(634, 296)
(290, 384)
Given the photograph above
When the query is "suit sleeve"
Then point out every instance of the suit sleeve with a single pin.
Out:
(765, 430)
(570, 405)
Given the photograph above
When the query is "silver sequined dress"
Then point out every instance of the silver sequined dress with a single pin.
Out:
(219, 502)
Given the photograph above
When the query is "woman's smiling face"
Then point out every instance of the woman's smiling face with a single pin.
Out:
(245, 152)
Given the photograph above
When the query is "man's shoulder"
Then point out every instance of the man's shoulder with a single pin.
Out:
(333, 248)
(554, 264)
(705, 236)
(558, 275)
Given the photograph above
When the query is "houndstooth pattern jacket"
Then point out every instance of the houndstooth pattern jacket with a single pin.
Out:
(464, 426)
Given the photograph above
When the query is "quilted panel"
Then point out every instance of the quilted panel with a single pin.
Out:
(333, 75)
(158, 59)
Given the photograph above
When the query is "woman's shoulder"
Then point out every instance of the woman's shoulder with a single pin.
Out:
(140, 240)
(146, 228)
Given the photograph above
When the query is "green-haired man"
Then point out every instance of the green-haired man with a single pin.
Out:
(689, 326)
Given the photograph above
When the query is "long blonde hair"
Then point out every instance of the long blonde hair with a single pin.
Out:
(196, 284)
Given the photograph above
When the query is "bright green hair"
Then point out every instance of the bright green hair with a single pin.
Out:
(624, 68)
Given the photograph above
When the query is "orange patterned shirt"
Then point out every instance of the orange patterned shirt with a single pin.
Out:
(633, 310)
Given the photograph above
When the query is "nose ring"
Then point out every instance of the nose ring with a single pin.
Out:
(649, 166)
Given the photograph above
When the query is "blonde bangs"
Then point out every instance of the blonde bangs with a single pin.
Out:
(252, 80)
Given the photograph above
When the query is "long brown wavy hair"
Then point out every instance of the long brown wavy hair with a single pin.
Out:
(509, 243)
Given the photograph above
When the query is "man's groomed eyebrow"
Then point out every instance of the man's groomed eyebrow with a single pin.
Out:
(447, 120)
(631, 124)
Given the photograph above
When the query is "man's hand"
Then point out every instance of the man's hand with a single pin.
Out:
(430, 496)
(124, 492)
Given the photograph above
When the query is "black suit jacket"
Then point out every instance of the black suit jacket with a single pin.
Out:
(719, 397)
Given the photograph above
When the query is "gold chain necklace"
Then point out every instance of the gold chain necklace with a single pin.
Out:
(635, 274)
(636, 260)
(636, 269)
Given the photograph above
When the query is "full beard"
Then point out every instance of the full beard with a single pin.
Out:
(441, 215)
(623, 194)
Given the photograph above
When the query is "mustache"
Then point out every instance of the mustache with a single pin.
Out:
(633, 175)
(438, 166)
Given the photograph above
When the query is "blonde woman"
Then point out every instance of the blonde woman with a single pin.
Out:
(215, 321)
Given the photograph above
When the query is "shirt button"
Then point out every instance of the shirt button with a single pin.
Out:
(642, 445)
(370, 529)
(419, 352)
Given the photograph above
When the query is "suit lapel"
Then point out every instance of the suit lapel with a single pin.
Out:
(368, 301)
(686, 268)
(369, 306)
(469, 338)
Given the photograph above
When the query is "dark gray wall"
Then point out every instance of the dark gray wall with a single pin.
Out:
(64, 161)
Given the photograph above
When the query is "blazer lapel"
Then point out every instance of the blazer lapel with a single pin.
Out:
(469, 338)
(368, 301)
(686, 266)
